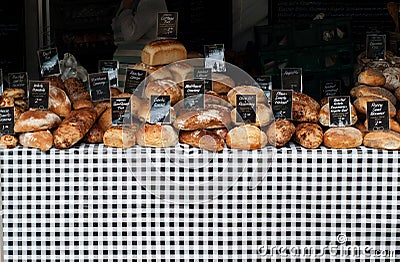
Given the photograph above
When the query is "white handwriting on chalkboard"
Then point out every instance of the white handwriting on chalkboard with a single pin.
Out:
(166, 19)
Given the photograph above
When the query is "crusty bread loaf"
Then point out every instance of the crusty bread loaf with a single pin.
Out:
(246, 137)
(94, 135)
(324, 118)
(208, 118)
(360, 104)
(222, 83)
(374, 91)
(202, 139)
(154, 72)
(156, 136)
(247, 90)
(181, 71)
(120, 137)
(309, 135)
(36, 120)
(280, 132)
(264, 116)
(15, 93)
(392, 76)
(105, 120)
(164, 87)
(59, 102)
(388, 140)
(74, 127)
(343, 137)
(8, 141)
(42, 140)
(55, 81)
(305, 108)
(6, 102)
(371, 77)
(162, 52)
(222, 132)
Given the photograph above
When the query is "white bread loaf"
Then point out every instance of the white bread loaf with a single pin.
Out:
(162, 52)
(42, 140)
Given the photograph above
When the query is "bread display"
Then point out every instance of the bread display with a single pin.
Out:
(156, 135)
(162, 52)
(343, 137)
(309, 135)
(305, 108)
(246, 137)
(360, 104)
(264, 116)
(203, 119)
(59, 102)
(164, 87)
(371, 77)
(387, 140)
(247, 90)
(202, 139)
(42, 140)
(324, 117)
(120, 137)
(36, 120)
(8, 141)
(222, 83)
(280, 132)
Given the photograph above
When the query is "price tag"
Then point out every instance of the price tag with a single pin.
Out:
(339, 111)
(265, 83)
(121, 111)
(110, 67)
(331, 88)
(215, 57)
(6, 120)
(38, 94)
(378, 115)
(167, 25)
(193, 92)
(292, 78)
(19, 80)
(246, 109)
(376, 47)
(201, 73)
(160, 110)
(99, 87)
(282, 104)
(133, 78)
(48, 62)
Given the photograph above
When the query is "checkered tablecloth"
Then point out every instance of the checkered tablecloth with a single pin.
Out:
(93, 203)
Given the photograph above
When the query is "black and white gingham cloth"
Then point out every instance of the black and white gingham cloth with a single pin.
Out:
(93, 203)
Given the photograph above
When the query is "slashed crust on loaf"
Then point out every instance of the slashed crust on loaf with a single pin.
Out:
(36, 120)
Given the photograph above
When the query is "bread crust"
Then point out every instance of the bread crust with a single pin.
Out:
(305, 108)
(164, 87)
(360, 104)
(162, 52)
(280, 132)
(36, 120)
(59, 102)
(157, 135)
(208, 118)
(246, 137)
(343, 137)
(371, 77)
(264, 116)
(247, 90)
(309, 135)
(204, 139)
(120, 137)
(42, 140)
(388, 140)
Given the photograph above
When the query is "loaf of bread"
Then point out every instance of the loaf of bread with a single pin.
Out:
(247, 90)
(8, 141)
(15, 93)
(388, 140)
(156, 136)
(246, 137)
(204, 139)
(36, 120)
(6, 102)
(22, 104)
(154, 72)
(162, 52)
(360, 104)
(280, 132)
(74, 127)
(392, 76)
(222, 83)
(94, 135)
(264, 116)
(181, 71)
(305, 108)
(371, 77)
(164, 87)
(59, 102)
(75, 90)
(120, 137)
(380, 92)
(343, 137)
(208, 118)
(324, 117)
(309, 135)
(55, 81)
(105, 120)
(222, 132)
(42, 140)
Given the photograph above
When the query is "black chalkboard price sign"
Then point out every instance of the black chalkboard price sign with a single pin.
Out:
(19, 80)
(38, 94)
(378, 115)
(292, 78)
(331, 88)
(376, 46)
(121, 113)
(282, 103)
(48, 62)
(6, 120)
(160, 109)
(193, 92)
(99, 87)
(339, 111)
(111, 67)
(167, 25)
(246, 110)
(133, 79)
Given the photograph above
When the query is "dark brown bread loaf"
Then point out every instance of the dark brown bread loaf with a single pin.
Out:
(202, 139)
(309, 135)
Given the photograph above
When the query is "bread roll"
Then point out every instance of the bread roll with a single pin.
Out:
(371, 77)
(42, 140)
(94, 135)
(36, 120)
(74, 127)
(120, 137)
(8, 141)
(222, 83)
(309, 135)
(305, 108)
(324, 118)
(204, 139)
(264, 116)
(247, 90)
(164, 87)
(59, 102)
(203, 119)
(181, 71)
(246, 137)
(380, 92)
(343, 137)
(156, 135)
(15, 93)
(162, 52)
(280, 132)
(360, 104)
(388, 140)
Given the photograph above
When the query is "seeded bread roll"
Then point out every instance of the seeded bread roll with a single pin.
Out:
(36, 120)
(202, 139)
(360, 104)
(162, 52)
(264, 116)
(371, 77)
(156, 136)
(324, 118)
(309, 135)
(42, 140)
(8, 141)
(343, 137)
(222, 83)
(247, 90)
(246, 137)
(280, 132)
(305, 108)
(388, 140)
(203, 119)
(164, 87)
(120, 137)
(59, 102)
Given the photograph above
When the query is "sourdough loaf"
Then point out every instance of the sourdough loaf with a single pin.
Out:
(246, 137)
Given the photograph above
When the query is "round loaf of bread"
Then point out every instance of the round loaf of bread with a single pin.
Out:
(120, 137)
(95, 135)
(204, 139)
(208, 118)
(164, 87)
(371, 77)
(221, 83)
(246, 137)
(388, 140)
(157, 136)
(374, 91)
(42, 140)
(264, 116)
(36, 120)
(163, 52)
(8, 141)
(324, 117)
(59, 102)
(15, 93)
(360, 104)
(392, 76)
(309, 135)
(181, 71)
(280, 132)
(247, 90)
(305, 108)
(343, 137)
